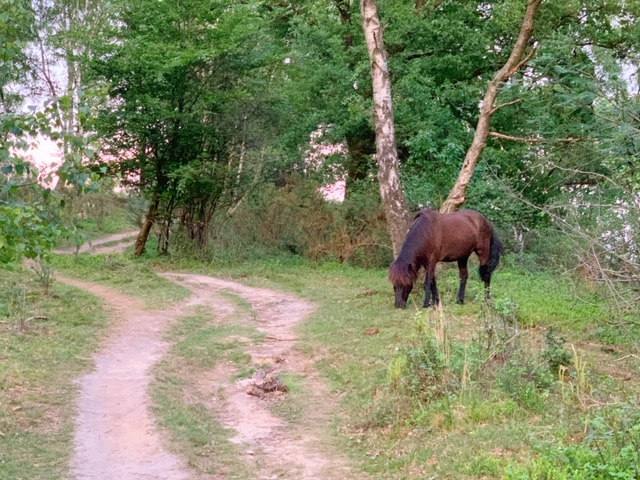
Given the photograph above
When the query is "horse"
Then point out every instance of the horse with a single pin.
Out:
(444, 237)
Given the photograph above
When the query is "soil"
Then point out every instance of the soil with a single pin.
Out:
(116, 437)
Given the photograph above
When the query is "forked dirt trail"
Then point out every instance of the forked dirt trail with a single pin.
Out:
(275, 449)
(111, 244)
(117, 438)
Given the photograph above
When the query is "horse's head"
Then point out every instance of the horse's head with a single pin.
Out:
(402, 276)
(402, 294)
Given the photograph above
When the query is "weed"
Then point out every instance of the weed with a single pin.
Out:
(524, 382)
(422, 369)
(556, 355)
(44, 273)
(582, 385)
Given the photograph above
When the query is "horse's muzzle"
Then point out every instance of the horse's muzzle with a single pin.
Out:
(402, 295)
(401, 304)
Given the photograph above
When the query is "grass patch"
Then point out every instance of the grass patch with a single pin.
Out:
(466, 392)
(185, 401)
(37, 368)
(133, 277)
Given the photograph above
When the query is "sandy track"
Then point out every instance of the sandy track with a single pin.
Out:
(116, 437)
(278, 450)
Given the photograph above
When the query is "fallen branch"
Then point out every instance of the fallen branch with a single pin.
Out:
(626, 356)
(279, 339)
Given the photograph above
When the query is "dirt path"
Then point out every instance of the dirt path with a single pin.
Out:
(111, 244)
(116, 437)
(277, 449)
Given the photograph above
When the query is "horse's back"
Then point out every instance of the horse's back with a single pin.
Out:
(462, 233)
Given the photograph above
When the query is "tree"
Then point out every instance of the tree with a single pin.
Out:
(391, 192)
(190, 107)
(515, 62)
(30, 223)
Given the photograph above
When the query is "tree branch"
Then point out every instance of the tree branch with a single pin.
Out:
(526, 59)
(538, 139)
(506, 104)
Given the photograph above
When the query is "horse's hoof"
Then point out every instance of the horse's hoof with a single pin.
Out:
(460, 302)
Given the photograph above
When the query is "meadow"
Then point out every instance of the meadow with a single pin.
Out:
(540, 383)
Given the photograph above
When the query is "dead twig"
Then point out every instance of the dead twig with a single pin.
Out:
(279, 339)
(626, 356)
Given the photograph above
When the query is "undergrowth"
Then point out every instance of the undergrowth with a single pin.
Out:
(48, 332)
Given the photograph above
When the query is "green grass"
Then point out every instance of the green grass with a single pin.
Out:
(491, 407)
(37, 368)
(129, 276)
(471, 433)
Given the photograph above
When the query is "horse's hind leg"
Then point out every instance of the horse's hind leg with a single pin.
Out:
(485, 274)
(486, 278)
(434, 292)
(464, 275)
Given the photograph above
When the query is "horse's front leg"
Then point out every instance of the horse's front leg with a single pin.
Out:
(430, 288)
(464, 275)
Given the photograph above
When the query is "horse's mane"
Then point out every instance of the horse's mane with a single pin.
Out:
(404, 270)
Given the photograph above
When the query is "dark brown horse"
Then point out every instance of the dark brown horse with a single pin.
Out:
(444, 237)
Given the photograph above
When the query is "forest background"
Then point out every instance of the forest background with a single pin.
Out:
(226, 118)
(221, 122)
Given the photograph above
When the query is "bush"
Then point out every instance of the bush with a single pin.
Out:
(295, 219)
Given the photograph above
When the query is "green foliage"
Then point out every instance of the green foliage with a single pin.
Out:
(555, 353)
(29, 212)
(192, 106)
(25, 231)
(609, 450)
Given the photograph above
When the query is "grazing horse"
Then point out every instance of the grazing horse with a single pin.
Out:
(444, 237)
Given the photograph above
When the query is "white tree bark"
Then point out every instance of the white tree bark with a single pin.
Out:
(516, 60)
(393, 201)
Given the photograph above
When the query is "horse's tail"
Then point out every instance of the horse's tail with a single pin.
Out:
(495, 251)
(401, 273)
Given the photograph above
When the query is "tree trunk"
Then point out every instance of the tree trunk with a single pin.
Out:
(143, 235)
(393, 201)
(516, 61)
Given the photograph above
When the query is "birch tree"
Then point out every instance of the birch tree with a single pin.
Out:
(393, 201)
